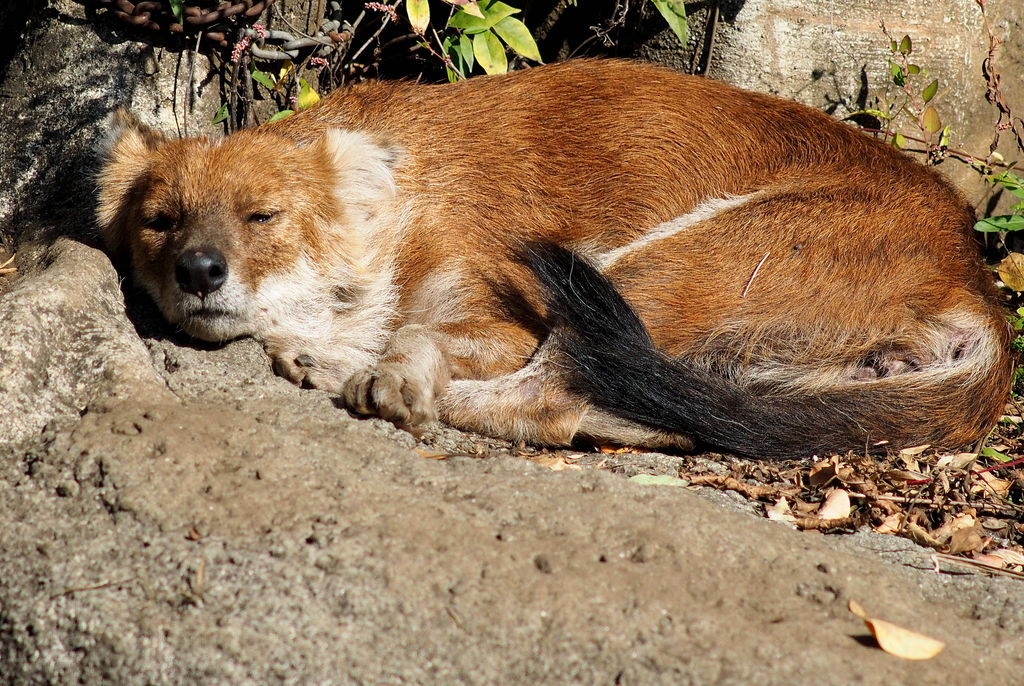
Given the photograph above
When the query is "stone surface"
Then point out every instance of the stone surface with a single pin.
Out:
(833, 55)
(59, 86)
(65, 340)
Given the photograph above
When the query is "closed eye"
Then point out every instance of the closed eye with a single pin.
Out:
(261, 217)
(160, 222)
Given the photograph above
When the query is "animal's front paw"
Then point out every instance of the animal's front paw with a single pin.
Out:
(397, 390)
(306, 371)
(405, 383)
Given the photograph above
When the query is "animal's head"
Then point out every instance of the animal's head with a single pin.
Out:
(206, 222)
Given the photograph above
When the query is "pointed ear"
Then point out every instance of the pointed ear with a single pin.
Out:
(125, 153)
(362, 166)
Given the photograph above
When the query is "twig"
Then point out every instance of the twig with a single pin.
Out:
(1003, 465)
(961, 155)
(198, 580)
(247, 113)
(991, 507)
(445, 59)
(233, 120)
(994, 93)
(617, 19)
(369, 40)
(708, 45)
(96, 587)
(973, 564)
(821, 523)
(454, 617)
(731, 483)
(189, 96)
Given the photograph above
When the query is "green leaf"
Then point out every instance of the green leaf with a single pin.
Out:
(452, 46)
(493, 12)
(906, 46)
(262, 78)
(177, 10)
(899, 142)
(307, 95)
(281, 115)
(419, 15)
(930, 121)
(929, 92)
(448, 48)
(944, 137)
(490, 53)
(221, 115)
(1010, 182)
(674, 13)
(913, 69)
(995, 454)
(466, 51)
(884, 116)
(894, 47)
(468, 6)
(899, 77)
(1003, 222)
(515, 33)
(658, 480)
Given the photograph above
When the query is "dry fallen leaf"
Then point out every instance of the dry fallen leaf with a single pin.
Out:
(823, 472)
(916, 450)
(1011, 271)
(920, 535)
(836, 505)
(961, 521)
(966, 541)
(891, 524)
(896, 640)
(432, 454)
(780, 512)
(1009, 556)
(958, 461)
(988, 483)
(616, 450)
(801, 507)
(658, 480)
(990, 560)
(555, 463)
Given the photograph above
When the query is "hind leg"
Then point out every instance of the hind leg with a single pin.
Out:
(532, 405)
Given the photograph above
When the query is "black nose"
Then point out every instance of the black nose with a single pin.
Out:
(201, 272)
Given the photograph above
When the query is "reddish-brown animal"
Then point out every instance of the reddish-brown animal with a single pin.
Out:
(805, 288)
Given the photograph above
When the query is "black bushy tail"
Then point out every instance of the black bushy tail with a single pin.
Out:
(610, 359)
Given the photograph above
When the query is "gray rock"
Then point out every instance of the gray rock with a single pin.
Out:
(65, 341)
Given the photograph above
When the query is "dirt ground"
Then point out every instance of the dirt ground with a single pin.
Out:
(176, 514)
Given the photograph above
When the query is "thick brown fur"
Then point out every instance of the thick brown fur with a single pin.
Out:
(374, 244)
